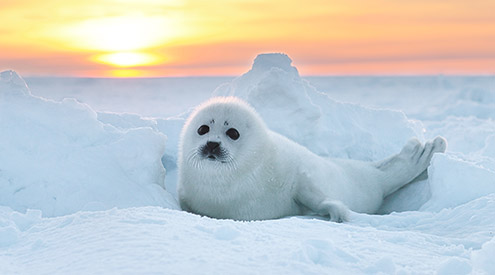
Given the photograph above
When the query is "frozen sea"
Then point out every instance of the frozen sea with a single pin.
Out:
(88, 175)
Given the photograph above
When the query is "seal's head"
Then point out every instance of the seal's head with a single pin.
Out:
(223, 133)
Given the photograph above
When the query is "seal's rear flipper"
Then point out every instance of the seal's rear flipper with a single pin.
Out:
(410, 164)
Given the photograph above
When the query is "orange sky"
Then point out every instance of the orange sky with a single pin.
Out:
(103, 38)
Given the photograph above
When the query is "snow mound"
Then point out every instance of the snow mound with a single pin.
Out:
(59, 158)
(294, 108)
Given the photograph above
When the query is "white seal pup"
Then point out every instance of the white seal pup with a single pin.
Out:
(232, 166)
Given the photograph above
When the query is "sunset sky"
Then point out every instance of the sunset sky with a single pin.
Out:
(118, 38)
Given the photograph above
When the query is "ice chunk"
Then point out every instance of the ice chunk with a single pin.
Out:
(454, 182)
(483, 258)
(11, 82)
(267, 61)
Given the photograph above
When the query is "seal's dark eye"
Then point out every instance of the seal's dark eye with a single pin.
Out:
(203, 129)
(232, 133)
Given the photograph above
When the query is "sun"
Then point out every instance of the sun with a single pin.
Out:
(128, 59)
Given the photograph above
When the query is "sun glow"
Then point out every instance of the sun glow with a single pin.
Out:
(117, 34)
(120, 41)
(128, 59)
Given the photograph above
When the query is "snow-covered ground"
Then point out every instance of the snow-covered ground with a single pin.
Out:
(88, 175)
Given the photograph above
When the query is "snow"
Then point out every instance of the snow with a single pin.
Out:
(57, 157)
(88, 175)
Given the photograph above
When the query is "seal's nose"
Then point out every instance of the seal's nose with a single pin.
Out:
(212, 146)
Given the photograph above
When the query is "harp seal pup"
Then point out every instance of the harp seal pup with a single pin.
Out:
(231, 166)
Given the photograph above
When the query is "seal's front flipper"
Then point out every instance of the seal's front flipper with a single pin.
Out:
(310, 197)
(337, 210)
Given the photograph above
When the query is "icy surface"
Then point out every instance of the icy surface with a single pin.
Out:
(82, 184)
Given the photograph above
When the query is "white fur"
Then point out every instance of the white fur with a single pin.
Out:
(265, 175)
